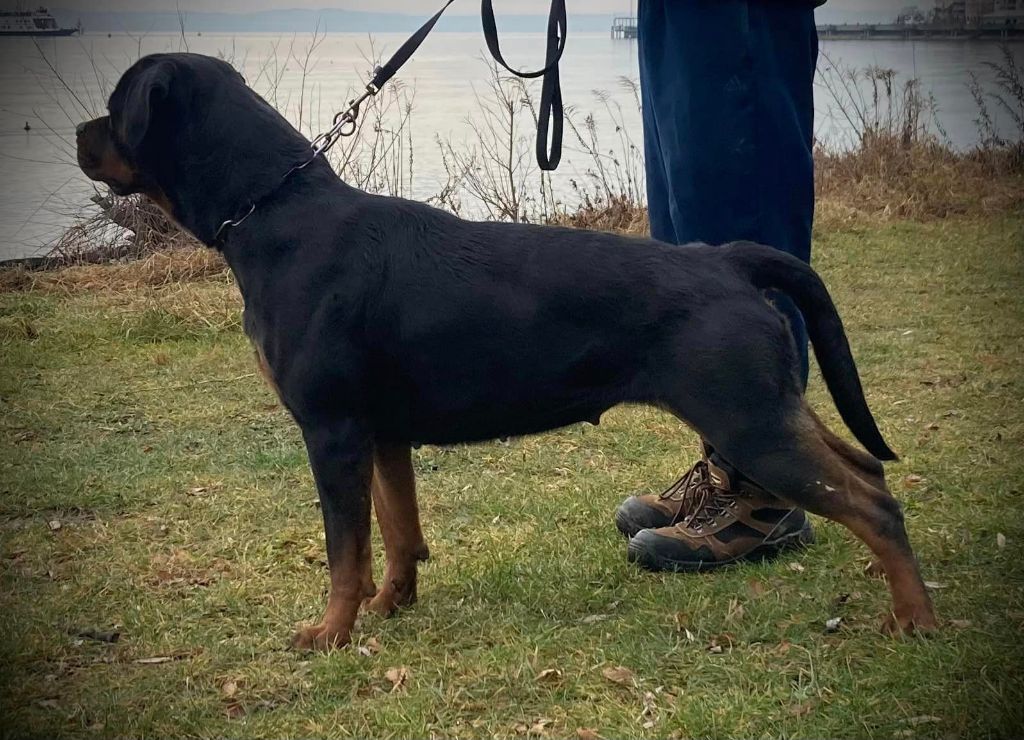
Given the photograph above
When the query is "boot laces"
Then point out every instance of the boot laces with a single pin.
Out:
(702, 497)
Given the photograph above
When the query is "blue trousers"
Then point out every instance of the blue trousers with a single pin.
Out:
(728, 115)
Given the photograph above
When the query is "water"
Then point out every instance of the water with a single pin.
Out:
(42, 189)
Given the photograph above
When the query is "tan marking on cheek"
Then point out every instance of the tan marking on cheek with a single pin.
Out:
(113, 167)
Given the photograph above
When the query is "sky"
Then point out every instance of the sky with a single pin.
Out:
(885, 8)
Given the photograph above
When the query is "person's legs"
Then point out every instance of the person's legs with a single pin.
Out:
(728, 124)
(728, 116)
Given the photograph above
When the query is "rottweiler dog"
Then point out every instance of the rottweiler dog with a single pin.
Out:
(382, 323)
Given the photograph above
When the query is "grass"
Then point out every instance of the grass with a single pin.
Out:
(150, 485)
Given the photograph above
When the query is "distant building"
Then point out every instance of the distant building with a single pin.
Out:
(965, 12)
(910, 16)
(1005, 13)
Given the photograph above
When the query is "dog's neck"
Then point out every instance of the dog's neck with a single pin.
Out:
(227, 188)
(248, 166)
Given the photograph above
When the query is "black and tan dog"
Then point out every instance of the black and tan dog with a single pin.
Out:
(383, 322)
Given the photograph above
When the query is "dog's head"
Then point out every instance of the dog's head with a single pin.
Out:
(152, 112)
(187, 131)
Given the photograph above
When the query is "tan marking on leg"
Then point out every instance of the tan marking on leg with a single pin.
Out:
(873, 515)
(351, 582)
(394, 501)
(265, 371)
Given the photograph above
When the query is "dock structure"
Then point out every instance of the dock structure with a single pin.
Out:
(624, 27)
(921, 31)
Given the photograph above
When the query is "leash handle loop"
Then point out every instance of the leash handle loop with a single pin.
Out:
(551, 112)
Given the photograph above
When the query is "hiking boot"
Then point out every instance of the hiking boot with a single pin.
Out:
(716, 522)
(655, 510)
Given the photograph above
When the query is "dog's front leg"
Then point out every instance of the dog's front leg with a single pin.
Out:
(394, 500)
(341, 456)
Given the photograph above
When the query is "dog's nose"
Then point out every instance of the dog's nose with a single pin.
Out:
(80, 129)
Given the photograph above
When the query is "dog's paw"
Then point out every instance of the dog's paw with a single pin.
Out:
(875, 569)
(321, 637)
(920, 622)
(391, 597)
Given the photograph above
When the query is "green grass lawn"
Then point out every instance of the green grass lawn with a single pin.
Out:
(150, 485)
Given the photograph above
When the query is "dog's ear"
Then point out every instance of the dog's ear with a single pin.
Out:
(149, 88)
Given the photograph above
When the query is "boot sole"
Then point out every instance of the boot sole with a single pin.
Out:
(765, 551)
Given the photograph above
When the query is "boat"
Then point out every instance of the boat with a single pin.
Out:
(36, 22)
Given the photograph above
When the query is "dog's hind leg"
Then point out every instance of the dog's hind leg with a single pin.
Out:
(394, 501)
(787, 456)
(862, 463)
(341, 456)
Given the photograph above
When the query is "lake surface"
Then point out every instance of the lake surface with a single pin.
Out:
(41, 189)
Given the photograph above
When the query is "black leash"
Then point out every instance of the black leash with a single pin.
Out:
(551, 111)
(550, 114)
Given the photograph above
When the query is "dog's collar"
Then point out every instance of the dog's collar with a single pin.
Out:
(344, 125)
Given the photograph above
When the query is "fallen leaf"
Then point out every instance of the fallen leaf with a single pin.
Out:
(48, 703)
(961, 624)
(796, 567)
(648, 725)
(54, 525)
(197, 491)
(229, 688)
(782, 648)
(370, 648)
(833, 624)
(549, 674)
(934, 585)
(585, 733)
(1000, 540)
(591, 618)
(804, 707)
(539, 724)
(234, 710)
(619, 674)
(397, 677)
(912, 481)
(650, 704)
(756, 588)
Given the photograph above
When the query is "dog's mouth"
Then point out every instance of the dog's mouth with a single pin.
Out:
(93, 168)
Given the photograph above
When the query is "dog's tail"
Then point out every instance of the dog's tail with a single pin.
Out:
(771, 268)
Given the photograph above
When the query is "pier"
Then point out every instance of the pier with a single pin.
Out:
(624, 27)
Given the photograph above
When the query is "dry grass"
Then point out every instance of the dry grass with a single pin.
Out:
(889, 178)
(158, 268)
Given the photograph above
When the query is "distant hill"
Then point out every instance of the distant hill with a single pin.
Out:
(304, 21)
(334, 21)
